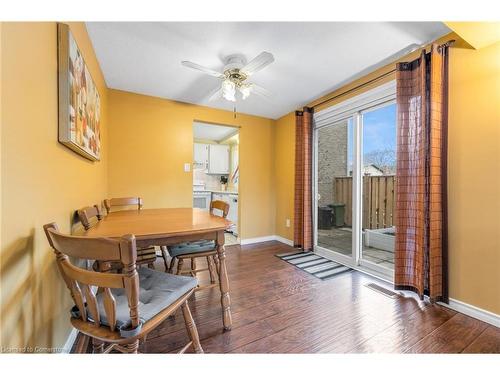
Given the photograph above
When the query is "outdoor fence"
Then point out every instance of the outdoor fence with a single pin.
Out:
(378, 200)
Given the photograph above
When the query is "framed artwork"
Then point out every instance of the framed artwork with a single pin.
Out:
(79, 101)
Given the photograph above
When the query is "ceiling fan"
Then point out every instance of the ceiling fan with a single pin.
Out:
(234, 76)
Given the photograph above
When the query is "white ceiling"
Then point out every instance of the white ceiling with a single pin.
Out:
(211, 132)
(311, 59)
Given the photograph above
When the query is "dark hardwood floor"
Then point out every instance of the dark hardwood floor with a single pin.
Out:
(278, 308)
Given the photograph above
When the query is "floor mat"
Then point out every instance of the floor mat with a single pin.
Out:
(314, 264)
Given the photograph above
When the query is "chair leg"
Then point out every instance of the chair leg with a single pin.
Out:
(180, 263)
(164, 254)
(171, 267)
(217, 264)
(131, 348)
(191, 328)
(145, 343)
(212, 269)
(97, 346)
(193, 267)
(82, 343)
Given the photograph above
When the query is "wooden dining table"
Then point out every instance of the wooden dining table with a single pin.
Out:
(170, 226)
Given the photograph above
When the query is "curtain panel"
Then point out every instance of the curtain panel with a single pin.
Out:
(303, 231)
(421, 187)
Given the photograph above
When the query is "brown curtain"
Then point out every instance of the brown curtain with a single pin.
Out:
(302, 236)
(421, 186)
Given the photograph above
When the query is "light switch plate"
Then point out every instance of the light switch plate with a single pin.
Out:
(187, 167)
(287, 223)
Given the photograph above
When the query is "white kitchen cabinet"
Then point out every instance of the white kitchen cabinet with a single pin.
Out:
(232, 216)
(219, 197)
(200, 153)
(218, 159)
(232, 200)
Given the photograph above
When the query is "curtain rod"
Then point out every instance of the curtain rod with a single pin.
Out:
(446, 44)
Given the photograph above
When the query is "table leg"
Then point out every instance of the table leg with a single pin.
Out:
(224, 283)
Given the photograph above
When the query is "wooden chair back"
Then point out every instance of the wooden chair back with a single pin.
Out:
(82, 283)
(219, 205)
(89, 216)
(123, 202)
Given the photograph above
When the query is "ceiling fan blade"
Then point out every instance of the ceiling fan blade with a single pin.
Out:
(261, 91)
(258, 63)
(215, 94)
(208, 71)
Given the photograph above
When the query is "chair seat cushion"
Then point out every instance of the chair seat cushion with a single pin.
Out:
(157, 291)
(191, 247)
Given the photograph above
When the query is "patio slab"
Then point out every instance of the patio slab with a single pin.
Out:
(340, 241)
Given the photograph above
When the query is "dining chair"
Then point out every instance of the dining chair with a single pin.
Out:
(199, 249)
(137, 202)
(119, 309)
(89, 216)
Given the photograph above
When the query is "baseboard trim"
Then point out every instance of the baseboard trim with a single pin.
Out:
(284, 240)
(70, 341)
(474, 312)
(249, 241)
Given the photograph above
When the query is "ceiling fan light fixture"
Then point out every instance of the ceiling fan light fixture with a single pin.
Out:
(234, 76)
(245, 90)
(229, 90)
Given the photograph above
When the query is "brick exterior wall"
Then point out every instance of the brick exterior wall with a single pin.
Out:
(332, 160)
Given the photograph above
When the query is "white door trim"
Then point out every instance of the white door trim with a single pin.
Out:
(347, 108)
(357, 209)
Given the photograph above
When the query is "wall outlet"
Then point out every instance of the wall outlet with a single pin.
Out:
(187, 167)
(287, 223)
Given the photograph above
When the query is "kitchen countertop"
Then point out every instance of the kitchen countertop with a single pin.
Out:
(216, 191)
(224, 192)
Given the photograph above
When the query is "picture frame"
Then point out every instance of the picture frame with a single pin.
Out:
(79, 122)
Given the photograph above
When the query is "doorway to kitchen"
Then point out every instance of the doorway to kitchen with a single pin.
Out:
(354, 181)
(216, 171)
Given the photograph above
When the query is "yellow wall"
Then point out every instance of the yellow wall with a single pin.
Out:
(284, 158)
(473, 163)
(1, 127)
(150, 139)
(474, 178)
(477, 34)
(42, 181)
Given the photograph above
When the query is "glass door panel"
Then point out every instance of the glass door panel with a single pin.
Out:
(378, 178)
(334, 188)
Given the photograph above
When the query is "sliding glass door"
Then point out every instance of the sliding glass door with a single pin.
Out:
(334, 185)
(378, 178)
(354, 167)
